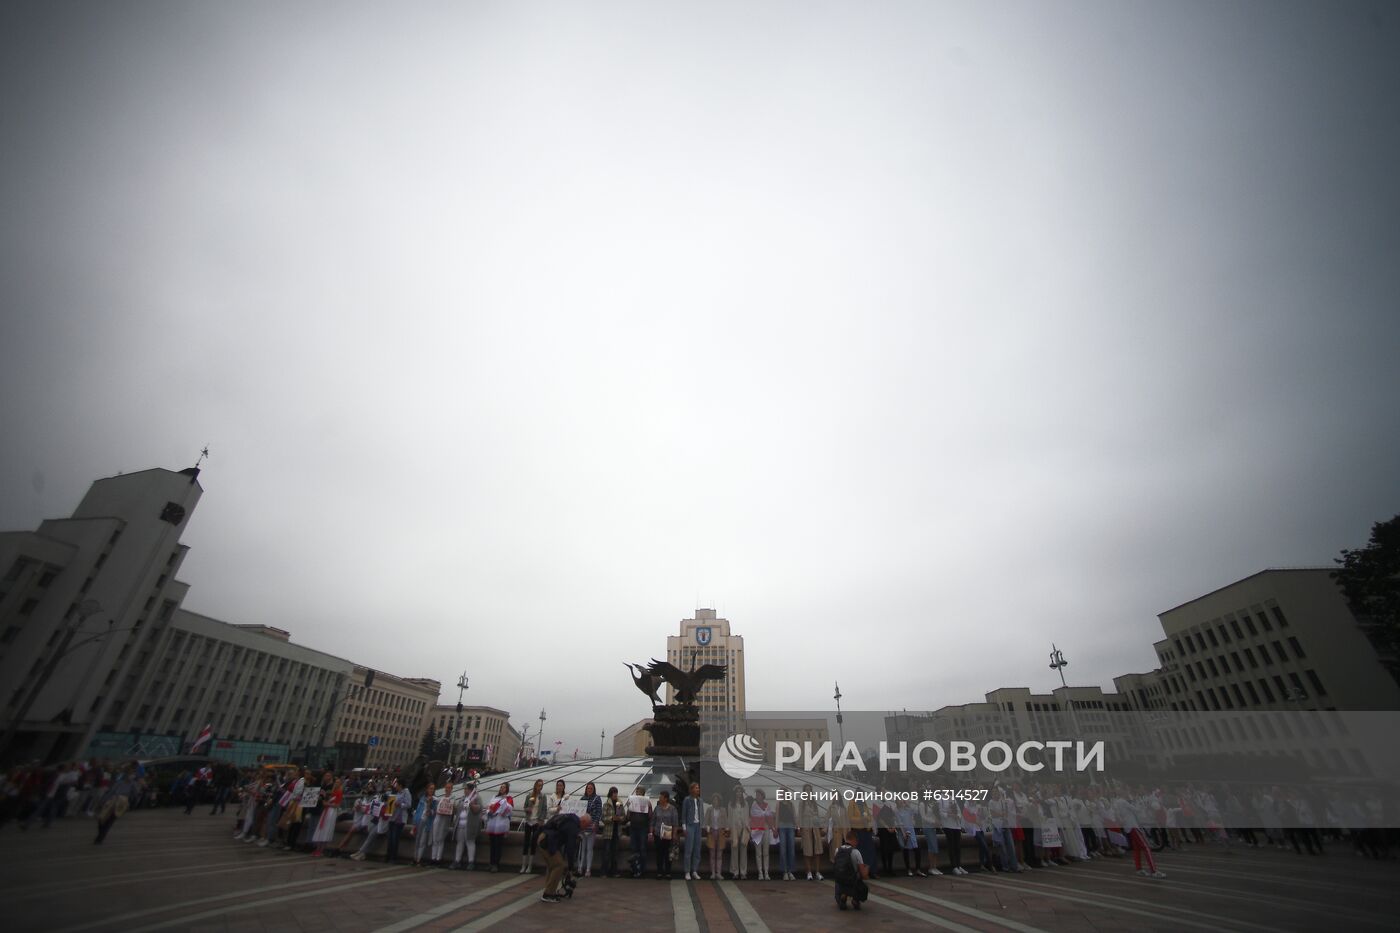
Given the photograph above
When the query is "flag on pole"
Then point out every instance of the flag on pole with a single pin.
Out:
(204, 736)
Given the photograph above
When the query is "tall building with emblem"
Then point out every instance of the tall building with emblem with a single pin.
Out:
(707, 639)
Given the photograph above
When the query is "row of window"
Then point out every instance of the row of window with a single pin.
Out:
(1194, 640)
(1218, 666)
(1293, 690)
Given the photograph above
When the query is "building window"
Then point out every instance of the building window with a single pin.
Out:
(28, 606)
(1253, 694)
(1235, 624)
(1235, 657)
(1249, 656)
(1224, 635)
(1211, 636)
(1279, 616)
(1268, 694)
(1278, 650)
(1264, 621)
(1264, 653)
(1316, 683)
(1249, 624)
(1297, 648)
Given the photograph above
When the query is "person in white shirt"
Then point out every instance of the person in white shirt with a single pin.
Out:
(498, 823)
(468, 817)
(638, 827)
(1127, 814)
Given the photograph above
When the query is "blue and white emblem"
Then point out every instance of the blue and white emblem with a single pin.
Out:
(703, 634)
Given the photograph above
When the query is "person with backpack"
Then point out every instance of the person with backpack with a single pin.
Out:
(557, 841)
(850, 872)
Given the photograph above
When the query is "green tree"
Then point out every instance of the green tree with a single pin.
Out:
(1370, 581)
(430, 742)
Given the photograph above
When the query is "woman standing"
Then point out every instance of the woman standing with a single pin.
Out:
(739, 835)
(859, 819)
(809, 824)
(330, 809)
(593, 807)
(468, 816)
(716, 822)
(292, 815)
(614, 815)
(422, 824)
(906, 831)
(536, 812)
(762, 824)
(888, 838)
(950, 814)
(664, 821)
(498, 822)
(787, 838)
(442, 821)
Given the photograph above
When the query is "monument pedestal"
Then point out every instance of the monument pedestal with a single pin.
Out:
(675, 731)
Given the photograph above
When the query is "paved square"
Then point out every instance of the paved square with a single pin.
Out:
(163, 870)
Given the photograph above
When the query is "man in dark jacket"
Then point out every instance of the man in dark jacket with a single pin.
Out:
(559, 840)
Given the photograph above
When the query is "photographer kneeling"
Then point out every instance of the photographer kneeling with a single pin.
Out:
(559, 839)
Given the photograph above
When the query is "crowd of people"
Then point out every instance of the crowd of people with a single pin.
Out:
(580, 832)
(93, 789)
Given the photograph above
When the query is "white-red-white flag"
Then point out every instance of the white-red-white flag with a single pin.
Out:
(204, 736)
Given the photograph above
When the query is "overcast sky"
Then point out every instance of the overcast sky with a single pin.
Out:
(910, 336)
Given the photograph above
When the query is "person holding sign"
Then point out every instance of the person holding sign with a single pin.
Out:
(442, 819)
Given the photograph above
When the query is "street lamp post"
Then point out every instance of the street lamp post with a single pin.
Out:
(539, 753)
(456, 733)
(840, 728)
(326, 726)
(1058, 663)
(602, 734)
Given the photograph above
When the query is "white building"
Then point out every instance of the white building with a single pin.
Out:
(264, 698)
(632, 741)
(1276, 640)
(706, 639)
(83, 602)
(480, 735)
(97, 657)
(384, 718)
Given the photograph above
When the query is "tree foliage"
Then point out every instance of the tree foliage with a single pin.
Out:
(1370, 581)
(430, 743)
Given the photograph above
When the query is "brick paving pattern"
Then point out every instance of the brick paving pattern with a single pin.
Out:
(163, 870)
